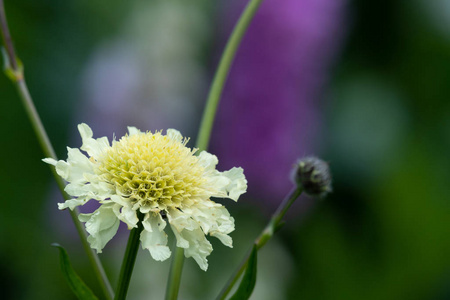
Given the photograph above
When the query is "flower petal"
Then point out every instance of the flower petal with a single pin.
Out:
(91, 146)
(124, 211)
(50, 161)
(237, 185)
(174, 135)
(190, 237)
(74, 169)
(215, 220)
(230, 184)
(72, 203)
(208, 161)
(133, 130)
(154, 238)
(102, 225)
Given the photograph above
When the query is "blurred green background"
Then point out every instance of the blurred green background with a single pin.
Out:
(382, 234)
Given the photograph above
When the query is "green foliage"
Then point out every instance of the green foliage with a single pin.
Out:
(78, 287)
(248, 282)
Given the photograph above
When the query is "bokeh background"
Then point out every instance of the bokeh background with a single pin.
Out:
(365, 84)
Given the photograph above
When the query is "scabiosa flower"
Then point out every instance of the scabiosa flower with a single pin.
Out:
(151, 177)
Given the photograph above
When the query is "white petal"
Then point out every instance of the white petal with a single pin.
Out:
(181, 220)
(72, 203)
(154, 238)
(50, 161)
(127, 214)
(190, 237)
(133, 130)
(85, 131)
(207, 161)
(238, 183)
(214, 220)
(199, 247)
(91, 146)
(79, 165)
(102, 225)
(78, 190)
(174, 135)
(74, 169)
(224, 238)
(229, 184)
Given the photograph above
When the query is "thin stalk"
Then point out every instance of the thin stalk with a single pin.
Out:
(6, 37)
(262, 239)
(173, 284)
(15, 73)
(49, 152)
(128, 261)
(207, 122)
(222, 73)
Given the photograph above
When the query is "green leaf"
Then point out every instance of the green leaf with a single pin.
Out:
(78, 287)
(248, 282)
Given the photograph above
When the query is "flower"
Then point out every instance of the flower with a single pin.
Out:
(150, 178)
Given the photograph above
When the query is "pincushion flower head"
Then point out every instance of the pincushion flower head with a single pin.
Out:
(150, 178)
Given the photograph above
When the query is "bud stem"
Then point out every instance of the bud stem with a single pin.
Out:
(263, 238)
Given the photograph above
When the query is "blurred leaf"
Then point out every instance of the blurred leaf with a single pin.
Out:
(78, 287)
(248, 282)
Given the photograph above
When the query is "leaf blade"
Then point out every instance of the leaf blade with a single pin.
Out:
(248, 281)
(76, 284)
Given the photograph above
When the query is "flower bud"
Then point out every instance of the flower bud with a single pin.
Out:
(313, 175)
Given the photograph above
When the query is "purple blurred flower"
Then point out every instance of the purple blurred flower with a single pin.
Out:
(270, 112)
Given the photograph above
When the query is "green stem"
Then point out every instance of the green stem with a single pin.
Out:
(207, 122)
(173, 284)
(275, 221)
(6, 37)
(17, 76)
(262, 239)
(222, 73)
(128, 261)
(49, 152)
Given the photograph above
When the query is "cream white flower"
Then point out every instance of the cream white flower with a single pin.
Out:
(154, 176)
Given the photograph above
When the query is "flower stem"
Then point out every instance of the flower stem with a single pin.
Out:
(222, 73)
(128, 261)
(14, 71)
(262, 239)
(173, 284)
(209, 115)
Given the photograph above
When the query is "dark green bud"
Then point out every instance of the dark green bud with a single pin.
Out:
(313, 175)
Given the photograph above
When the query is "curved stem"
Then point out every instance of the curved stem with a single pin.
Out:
(262, 239)
(15, 73)
(6, 37)
(209, 115)
(128, 261)
(173, 284)
(49, 152)
(222, 73)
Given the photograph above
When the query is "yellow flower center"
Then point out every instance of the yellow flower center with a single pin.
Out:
(152, 170)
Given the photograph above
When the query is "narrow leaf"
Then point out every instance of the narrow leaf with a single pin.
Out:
(78, 287)
(248, 282)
